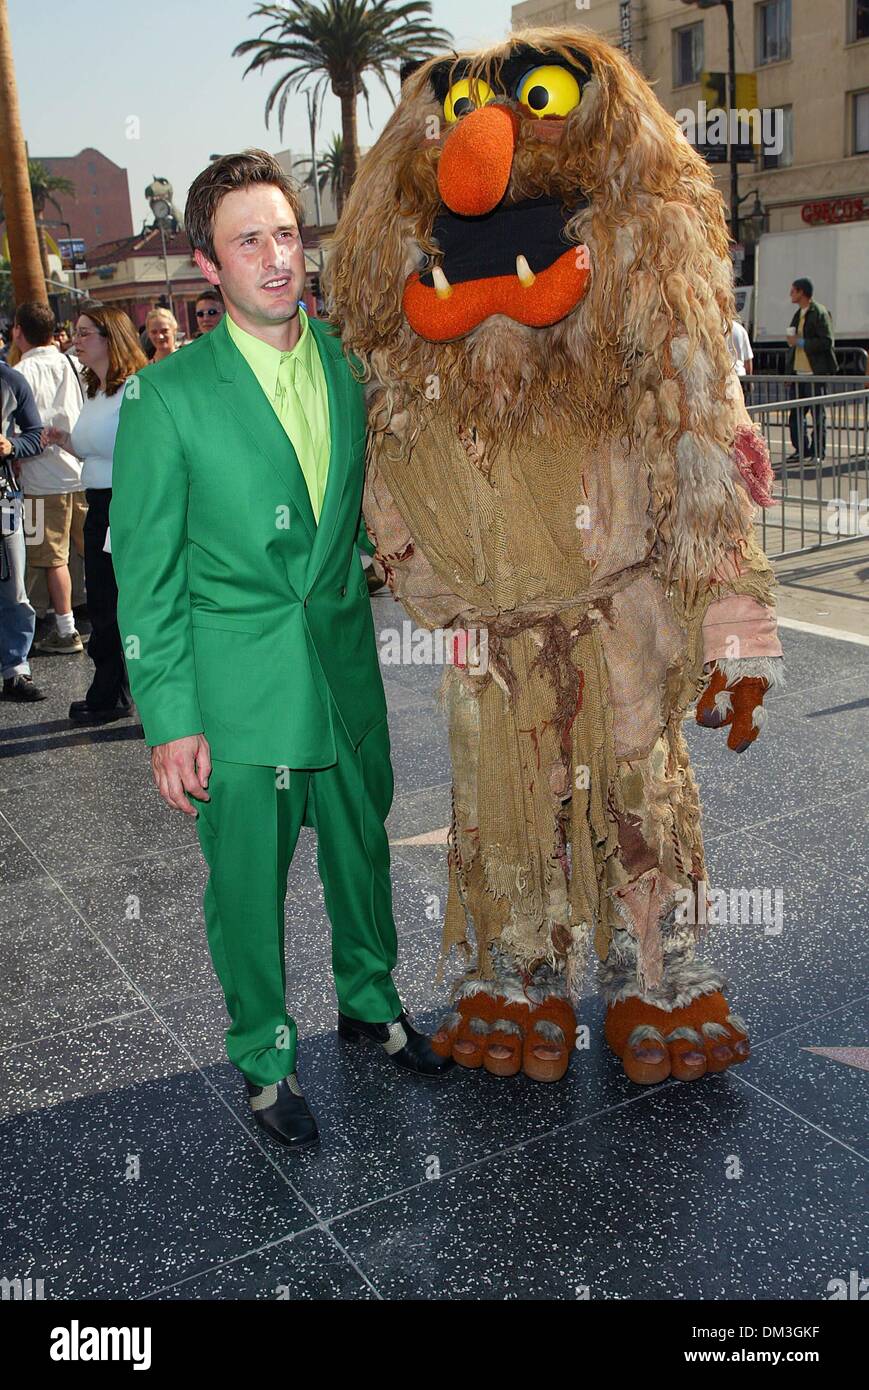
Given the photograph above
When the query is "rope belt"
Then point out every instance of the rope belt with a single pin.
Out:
(557, 640)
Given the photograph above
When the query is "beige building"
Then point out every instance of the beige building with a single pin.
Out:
(811, 61)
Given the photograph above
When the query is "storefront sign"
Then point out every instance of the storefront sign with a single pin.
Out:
(625, 36)
(836, 210)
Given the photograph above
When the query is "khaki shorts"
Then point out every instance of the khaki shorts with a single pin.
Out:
(54, 519)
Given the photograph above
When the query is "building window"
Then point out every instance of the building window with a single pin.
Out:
(687, 54)
(858, 20)
(772, 31)
(92, 166)
(785, 129)
(860, 123)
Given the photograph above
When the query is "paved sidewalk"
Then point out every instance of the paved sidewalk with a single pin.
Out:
(130, 1164)
(829, 588)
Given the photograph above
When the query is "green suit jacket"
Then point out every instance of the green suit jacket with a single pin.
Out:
(239, 614)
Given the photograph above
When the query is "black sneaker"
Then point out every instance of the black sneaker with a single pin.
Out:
(22, 688)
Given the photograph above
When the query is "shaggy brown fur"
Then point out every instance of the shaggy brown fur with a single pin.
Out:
(643, 355)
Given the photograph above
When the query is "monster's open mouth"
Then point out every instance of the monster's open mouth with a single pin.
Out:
(515, 260)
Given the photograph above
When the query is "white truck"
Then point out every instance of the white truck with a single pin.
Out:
(835, 259)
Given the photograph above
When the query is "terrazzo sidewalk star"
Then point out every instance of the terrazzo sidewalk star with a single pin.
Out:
(851, 1056)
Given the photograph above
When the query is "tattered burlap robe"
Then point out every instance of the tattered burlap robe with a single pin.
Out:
(553, 838)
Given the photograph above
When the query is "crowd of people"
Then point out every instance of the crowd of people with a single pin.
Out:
(59, 408)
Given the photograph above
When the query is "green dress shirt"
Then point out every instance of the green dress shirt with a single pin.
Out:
(295, 384)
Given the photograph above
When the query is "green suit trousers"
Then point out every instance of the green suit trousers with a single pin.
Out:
(248, 833)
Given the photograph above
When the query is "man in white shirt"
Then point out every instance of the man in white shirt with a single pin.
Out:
(54, 498)
(739, 344)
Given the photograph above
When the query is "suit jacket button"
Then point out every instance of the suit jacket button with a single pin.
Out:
(343, 590)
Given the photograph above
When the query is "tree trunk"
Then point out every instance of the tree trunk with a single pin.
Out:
(351, 146)
(28, 279)
(43, 250)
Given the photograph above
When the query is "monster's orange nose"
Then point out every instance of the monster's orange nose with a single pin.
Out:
(476, 160)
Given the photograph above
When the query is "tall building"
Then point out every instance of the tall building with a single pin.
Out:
(99, 211)
(811, 61)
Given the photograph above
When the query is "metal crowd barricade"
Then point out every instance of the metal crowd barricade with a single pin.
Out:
(817, 431)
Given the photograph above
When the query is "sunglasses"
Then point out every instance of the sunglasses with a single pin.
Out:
(207, 313)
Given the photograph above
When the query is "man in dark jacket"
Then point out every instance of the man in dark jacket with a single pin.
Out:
(810, 341)
(20, 430)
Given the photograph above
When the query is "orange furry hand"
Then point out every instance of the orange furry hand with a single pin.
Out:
(739, 704)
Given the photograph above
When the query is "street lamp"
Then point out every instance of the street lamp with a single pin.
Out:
(755, 220)
(162, 215)
(731, 97)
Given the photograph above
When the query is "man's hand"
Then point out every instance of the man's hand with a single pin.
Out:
(5, 446)
(184, 765)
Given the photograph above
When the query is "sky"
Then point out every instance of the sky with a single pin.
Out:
(85, 69)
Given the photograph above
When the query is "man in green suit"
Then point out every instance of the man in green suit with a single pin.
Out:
(243, 605)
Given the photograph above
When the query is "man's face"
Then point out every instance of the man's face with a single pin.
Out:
(18, 338)
(208, 315)
(261, 268)
(797, 296)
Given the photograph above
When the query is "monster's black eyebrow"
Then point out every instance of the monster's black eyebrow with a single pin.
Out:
(443, 74)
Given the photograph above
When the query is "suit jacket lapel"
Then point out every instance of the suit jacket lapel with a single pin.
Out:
(246, 399)
(332, 358)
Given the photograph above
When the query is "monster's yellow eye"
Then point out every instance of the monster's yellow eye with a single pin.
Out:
(465, 96)
(548, 91)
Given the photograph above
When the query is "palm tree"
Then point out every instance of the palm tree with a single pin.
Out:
(43, 186)
(338, 42)
(330, 168)
(27, 276)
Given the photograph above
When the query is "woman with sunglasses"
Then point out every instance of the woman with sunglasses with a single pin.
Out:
(108, 349)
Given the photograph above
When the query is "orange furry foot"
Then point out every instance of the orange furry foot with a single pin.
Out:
(506, 1035)
(685, 1043)
(550, 1039)
(464, 1033)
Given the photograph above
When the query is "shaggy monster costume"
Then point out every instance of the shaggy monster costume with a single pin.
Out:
(533, 270)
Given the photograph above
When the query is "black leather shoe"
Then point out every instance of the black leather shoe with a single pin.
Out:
(403, 1045)
(282, 1111)
(22, 688)
(80, 712)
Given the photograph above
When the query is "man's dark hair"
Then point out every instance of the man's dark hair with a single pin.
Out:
(224, 176)
(210, 294)
(805, 287)
(36, 322)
